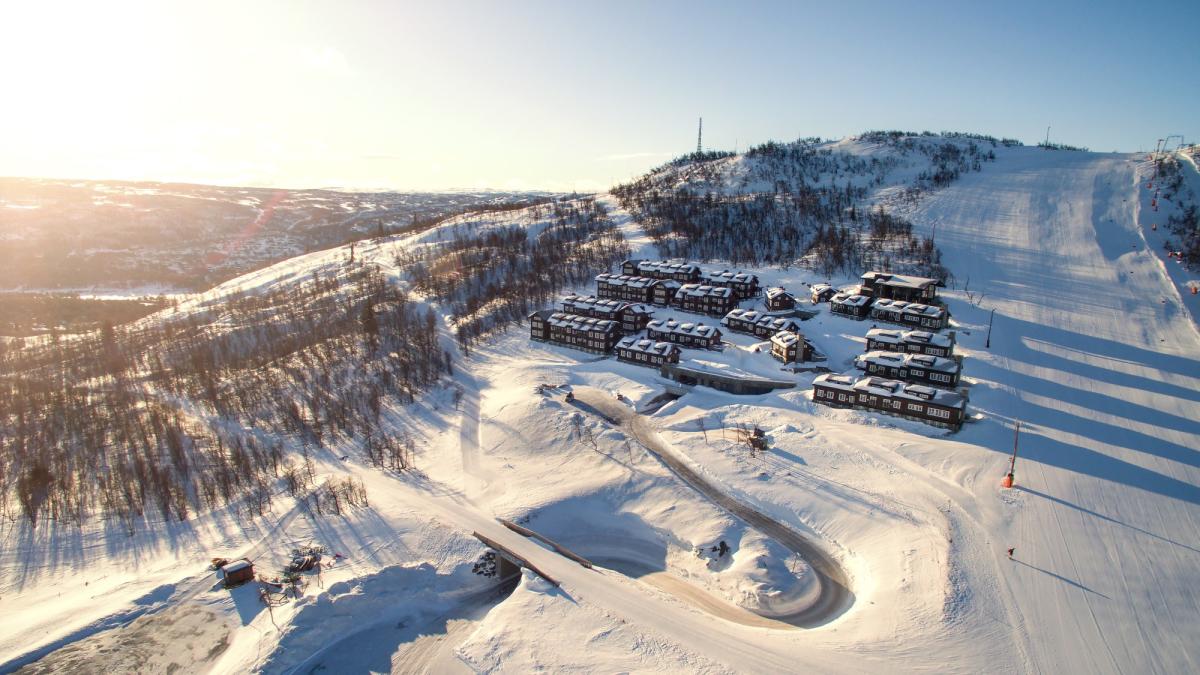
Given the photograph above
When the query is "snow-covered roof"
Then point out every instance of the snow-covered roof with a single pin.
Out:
(895, 360)
(700, 290)
(728, 276)
(748, 315)
(688, 328)
(777, 323)
(625, 280)
(904, 307)
(591, 302)
(776, 292)
(786, 338)
(236, 566)
(916, 392)
(885, 335)
(759, 319)
(647, 346)
(850, 298)
(836, 381)
(893, 388)
(899, 280)
(900, 337)
(925, 337)
(667, 267)
(582, 323)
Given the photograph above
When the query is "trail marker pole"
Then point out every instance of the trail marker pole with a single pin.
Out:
(991, 316)
(1010, 478)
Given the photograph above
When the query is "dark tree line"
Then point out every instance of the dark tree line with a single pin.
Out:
(886, 242)
(1185, 225)
(800, 203)
(493, 278)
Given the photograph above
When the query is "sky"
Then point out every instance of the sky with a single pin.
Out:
(561, 95)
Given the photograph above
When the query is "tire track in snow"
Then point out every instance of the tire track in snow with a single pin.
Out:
(835, 596)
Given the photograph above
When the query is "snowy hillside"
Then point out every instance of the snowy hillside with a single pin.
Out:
(855, 542)
(810, 200)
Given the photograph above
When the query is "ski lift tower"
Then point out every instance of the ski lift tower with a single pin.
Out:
(1010, 477)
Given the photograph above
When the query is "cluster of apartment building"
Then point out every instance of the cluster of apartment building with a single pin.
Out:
(743, 285)
(623, 306)
(893, 298)
(787, 339)
(907, 373)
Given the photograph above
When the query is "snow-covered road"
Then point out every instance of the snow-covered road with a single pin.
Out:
(834, 595)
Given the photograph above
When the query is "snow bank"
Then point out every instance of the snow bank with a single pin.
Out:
(541, 628)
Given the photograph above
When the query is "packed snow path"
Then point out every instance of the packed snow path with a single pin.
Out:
(835, 596)
(1092, 351)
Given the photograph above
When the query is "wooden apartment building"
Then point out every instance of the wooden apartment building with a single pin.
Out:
(571, 330)
(743, 284)
(683, 272)
(779, 300)
(920, 368)
(913, 401)
(899, 287)
(631, 317)
(910, 342)
(853, 305)
(687, 334)
(645, 352)
(758, 324)
(914, 314)
(702, 299)
(790, 347)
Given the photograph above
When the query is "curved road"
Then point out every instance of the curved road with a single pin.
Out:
(691, 594)
(835, 595)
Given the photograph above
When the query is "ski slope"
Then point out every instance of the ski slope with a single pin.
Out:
(1094, 351)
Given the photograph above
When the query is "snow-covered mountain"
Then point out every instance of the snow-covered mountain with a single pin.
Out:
(371, 401)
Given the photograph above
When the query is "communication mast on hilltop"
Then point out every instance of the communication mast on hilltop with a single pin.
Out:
(700, 137)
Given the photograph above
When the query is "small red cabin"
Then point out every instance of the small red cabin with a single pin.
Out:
(238, 572)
